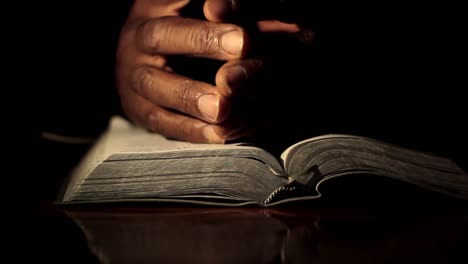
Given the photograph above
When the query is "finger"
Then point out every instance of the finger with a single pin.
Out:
(277, 26)
(236, 77)
(284, 10)
(218, 10)
(184, 36)
(180, 93)
(266, 20)
(165, 122)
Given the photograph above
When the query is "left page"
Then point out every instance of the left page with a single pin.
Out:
(128, 138)
(128, 162)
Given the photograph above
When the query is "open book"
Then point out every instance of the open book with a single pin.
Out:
(130, 164)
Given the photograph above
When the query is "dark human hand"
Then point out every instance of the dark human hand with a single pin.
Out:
(156, 97)
(271, 85)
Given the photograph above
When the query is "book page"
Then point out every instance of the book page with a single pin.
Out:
(124, 137)
(326, 157)
(286, 153)
(127, 155)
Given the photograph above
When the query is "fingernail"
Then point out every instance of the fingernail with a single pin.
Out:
(211, 136)
(208, 104)
(236, 77)
(232, 42)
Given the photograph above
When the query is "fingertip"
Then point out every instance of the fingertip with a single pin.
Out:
(224, 109)
(233, 42)
(236, 78)
(211, 136)
(231, 79)
(224, 133)
(277, 26)
(217, 10)
(231, 130)
(221, 84)
(214, 108)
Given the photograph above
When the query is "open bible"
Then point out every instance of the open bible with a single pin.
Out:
(128, 163)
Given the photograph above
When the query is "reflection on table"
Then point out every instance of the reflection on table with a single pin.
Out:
(254, 235)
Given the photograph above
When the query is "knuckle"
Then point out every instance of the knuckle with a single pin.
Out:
(149, 35)
(142, 80)
(153, 120)
(204, 39)
(185, 96)
(184, 129)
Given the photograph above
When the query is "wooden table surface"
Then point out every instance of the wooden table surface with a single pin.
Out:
(178, 234)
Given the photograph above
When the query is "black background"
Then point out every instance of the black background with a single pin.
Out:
(395, 72)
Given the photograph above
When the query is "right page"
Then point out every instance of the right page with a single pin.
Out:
(318, 159)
